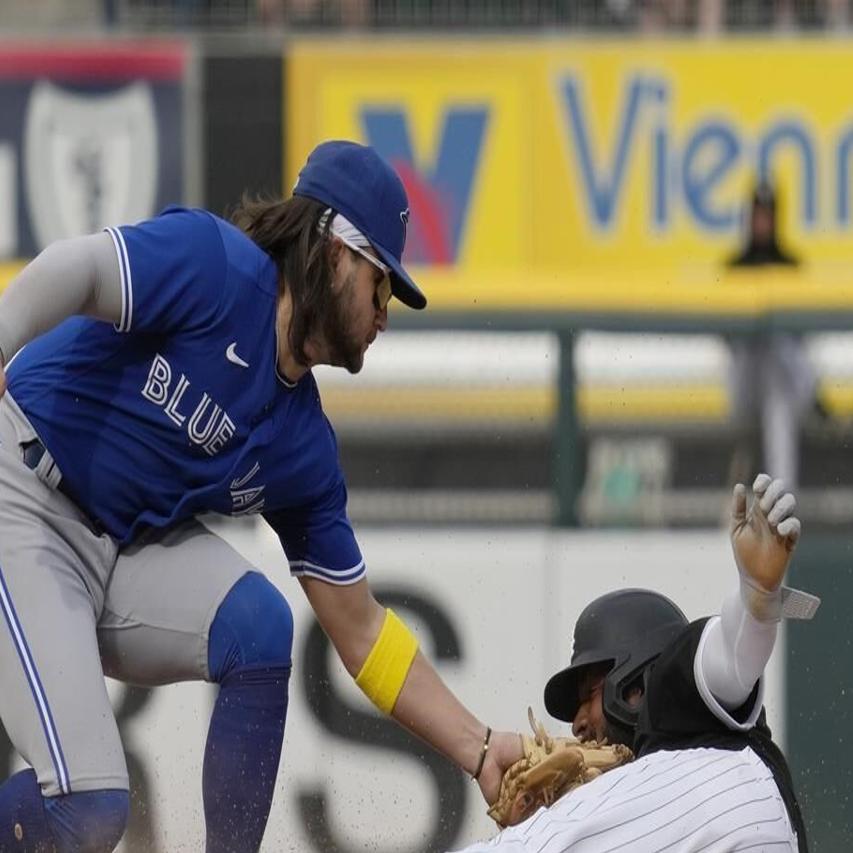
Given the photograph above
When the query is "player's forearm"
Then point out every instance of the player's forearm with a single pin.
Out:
(350, 616)
(430, 710)
(76, 276)
(735, 652)
(425, 706)
(381, 653)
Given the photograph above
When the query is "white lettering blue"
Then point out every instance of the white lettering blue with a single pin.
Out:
(156, 388)
(217, 429)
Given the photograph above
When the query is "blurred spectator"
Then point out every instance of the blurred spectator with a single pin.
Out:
(837, 14)
(347, 13)
(182, 14)
(659, 15)
(760, 15)
(709, 17)
(772, 382)
(762, 240)
(48, 14)
(188, 13)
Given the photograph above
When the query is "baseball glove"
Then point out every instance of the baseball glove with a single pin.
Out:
(551, 767)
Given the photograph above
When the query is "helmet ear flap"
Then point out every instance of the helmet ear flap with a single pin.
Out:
(620, 714)
(617, 733)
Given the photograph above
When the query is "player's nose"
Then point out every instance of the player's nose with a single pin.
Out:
(580, 724)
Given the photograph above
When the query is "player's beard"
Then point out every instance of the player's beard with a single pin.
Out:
(344, 349)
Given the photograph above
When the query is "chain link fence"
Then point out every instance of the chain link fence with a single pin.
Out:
(489, 16)
(707, 16)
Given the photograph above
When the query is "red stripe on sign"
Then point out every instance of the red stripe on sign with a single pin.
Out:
(152, 60)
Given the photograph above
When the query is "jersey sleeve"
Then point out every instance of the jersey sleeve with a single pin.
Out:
(173, 271)
(319, 540)
(676, 713)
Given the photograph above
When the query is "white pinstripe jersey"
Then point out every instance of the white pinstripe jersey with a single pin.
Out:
(704, 780)
(709, 800)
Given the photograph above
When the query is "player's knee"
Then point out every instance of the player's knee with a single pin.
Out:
(88, 822)
(253, 627)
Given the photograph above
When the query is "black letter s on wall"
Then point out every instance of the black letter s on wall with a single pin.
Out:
(339, 718)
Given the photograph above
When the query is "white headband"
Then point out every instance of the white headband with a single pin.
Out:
(343, 228)
(349, 234)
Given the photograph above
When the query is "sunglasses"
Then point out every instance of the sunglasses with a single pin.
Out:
(383, 289)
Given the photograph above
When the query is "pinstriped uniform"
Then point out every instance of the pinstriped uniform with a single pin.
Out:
(705, 779)
(709, 800)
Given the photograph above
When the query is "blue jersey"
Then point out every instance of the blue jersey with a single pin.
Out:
(179, 408)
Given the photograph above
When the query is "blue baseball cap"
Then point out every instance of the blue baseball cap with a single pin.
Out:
(355, 181)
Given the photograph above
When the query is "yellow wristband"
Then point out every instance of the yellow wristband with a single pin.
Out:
(384, 672)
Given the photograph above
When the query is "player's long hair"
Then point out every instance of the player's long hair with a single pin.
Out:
(288, 231)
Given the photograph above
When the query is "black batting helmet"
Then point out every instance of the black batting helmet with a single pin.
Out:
(628, 629)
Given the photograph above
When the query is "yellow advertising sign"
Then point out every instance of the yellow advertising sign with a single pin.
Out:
(455, 125)
(544, 172)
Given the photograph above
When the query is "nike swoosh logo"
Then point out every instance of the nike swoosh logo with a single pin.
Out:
(231, 355)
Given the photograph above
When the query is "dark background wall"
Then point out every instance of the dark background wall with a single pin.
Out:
(820, 692)
(242, 112)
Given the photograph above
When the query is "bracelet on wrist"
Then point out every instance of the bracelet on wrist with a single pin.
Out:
(476, 774)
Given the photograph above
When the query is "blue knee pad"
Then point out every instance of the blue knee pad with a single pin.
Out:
(88, 822)
(249, 646)
(253, 627)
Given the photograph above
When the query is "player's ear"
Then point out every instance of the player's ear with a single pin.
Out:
(634, 696)
(336, 252)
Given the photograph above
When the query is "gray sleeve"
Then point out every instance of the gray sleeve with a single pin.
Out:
(76, 276)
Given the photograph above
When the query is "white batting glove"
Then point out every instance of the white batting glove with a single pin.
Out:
(763, 539)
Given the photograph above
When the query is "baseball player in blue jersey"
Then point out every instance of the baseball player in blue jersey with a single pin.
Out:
(687, 698)
(159, 371)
